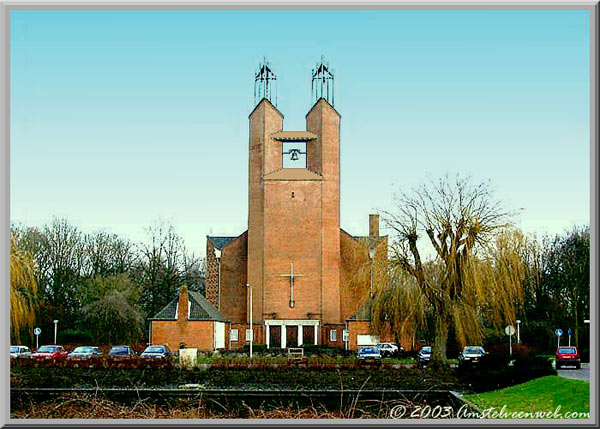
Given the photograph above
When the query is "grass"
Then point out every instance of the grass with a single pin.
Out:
(544, 394)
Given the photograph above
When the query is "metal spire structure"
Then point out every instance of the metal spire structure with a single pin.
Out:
(264, 80)
(322, 85)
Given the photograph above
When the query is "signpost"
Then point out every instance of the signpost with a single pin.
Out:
(558, 333)
(37, 332)
(569, 332)
(510, 331)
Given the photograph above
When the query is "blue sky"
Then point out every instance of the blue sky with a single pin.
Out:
(119, 118)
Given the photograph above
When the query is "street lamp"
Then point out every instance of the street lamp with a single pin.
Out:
(371, 256)
(251, 328)
(55, 329)
(218, 256)
(518, 331)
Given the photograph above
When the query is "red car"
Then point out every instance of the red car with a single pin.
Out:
(567, 355)
(50, 352)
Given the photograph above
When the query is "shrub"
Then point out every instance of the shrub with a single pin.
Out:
(495, 372)
(75, 337)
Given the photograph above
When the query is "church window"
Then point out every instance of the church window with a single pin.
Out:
(333, 335)
(294, 155)
(233, 335)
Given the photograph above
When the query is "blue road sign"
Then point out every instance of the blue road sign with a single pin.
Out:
(570, 332)
(558, 332)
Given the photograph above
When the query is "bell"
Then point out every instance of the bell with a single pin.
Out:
(294, 155)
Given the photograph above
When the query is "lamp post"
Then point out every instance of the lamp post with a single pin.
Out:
(371, 256)
(218, 256)
(55, 329)
(251, 329)
(518, 331)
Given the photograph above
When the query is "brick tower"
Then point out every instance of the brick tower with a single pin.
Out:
(294, 224)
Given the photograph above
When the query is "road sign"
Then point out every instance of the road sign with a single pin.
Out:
(510, 330)
(558, 332)
(37, 331)
(570, 332)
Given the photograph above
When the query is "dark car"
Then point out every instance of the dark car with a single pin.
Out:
(567, 356)
(50, 352)
(369, 354)
(424, 355)
(84, 352)
(121, 351)
(156, 352)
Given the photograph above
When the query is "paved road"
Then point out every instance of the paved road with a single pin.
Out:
(579, 374)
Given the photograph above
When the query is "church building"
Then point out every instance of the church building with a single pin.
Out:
(294, 275)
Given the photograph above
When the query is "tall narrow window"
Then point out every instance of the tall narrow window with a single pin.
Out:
(294, 155)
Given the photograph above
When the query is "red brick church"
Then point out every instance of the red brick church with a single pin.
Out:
(310, 280)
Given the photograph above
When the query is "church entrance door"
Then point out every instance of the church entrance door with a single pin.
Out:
(275, 336)
(308, 335)
(291, 334)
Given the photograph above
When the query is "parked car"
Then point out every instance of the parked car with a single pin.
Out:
(156, 352)
(50, 352)
(19, 351)
(121, 351)
(369, 354)
(424, 355)
(84, 352)
(567, 356)
(388, 349)
(471, 354)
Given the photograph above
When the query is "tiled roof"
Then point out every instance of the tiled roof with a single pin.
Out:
(220, 242)
(200, 309)
(169, 311)
(294, 136)
(293, 174)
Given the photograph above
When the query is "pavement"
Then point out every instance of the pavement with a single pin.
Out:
(578, 374)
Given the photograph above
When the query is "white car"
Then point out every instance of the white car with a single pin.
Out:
(471, 354)
(388, 349)
(19, 351)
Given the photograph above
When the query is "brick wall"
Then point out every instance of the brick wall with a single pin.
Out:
(212, 274)
(198, 333)
(234, 265)
(291, 234)
(324, 121)
(265, 120)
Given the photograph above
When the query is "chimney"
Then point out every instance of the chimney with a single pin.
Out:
(373, 225)
(182, 306)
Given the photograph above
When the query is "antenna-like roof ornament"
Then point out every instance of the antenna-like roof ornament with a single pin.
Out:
(322, 85)
(264, 80)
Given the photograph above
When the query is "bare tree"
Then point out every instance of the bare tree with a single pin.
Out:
(474, 275)
(160, 266)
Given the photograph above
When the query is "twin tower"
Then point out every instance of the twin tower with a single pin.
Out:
(291, 254)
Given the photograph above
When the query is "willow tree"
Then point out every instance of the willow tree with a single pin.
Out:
(23, 290)
(473, 275)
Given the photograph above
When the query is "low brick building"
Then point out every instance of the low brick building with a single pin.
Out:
(190, 319)
(307, 276)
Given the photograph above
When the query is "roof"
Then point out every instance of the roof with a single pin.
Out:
(200, 309)
(220, 242)
(369, 240)
(327, 103)
(268, 102)
(294, 136)
(293, 174)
